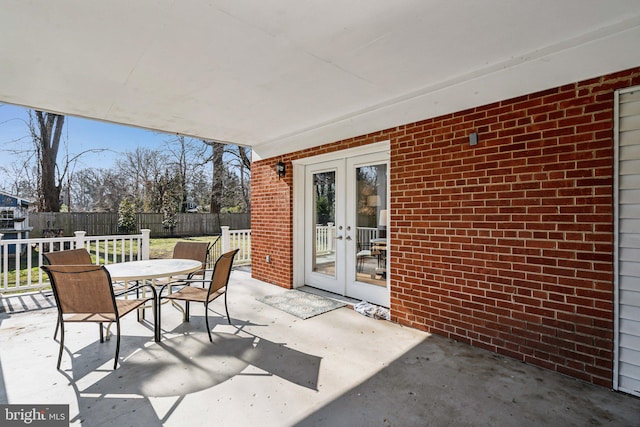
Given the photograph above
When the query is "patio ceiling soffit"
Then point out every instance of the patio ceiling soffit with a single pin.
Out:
(282, 76)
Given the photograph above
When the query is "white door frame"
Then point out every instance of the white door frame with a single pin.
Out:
(353, 287)
(298, 199)
(321, 279)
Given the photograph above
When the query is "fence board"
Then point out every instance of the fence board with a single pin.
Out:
(106, 223)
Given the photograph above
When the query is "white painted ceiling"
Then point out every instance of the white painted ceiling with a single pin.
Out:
(282, 75)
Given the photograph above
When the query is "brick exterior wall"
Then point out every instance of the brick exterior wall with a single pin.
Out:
(506, 245)
(271, 224)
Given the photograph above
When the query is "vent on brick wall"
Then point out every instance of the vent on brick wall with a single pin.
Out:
(473, 139)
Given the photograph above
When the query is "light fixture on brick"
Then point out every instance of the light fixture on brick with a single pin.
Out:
(281, 169)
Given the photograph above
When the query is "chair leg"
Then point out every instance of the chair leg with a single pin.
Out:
(101, 333)
(156, 320)
(115, 362)
(55, 334)
(226, 308)
(61, 344)
(185, 318)
(140, 313)
(157, 309)
(206, 320)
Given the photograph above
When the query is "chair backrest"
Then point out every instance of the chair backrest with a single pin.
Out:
(70, 257)
(198, 251)
(81, 288)
(222, 271)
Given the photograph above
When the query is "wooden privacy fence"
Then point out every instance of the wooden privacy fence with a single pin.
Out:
(106, 223)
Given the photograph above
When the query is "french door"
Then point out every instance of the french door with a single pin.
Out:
(346, 220)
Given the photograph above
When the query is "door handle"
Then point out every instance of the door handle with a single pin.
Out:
(338, 237)
(348, 237)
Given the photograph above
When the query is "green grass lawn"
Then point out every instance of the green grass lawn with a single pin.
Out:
(163, 248)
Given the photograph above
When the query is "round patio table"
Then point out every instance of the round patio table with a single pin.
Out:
(152, 269)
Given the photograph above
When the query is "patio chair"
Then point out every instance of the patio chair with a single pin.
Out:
(68, 257)
(84, 293)
(364, 253)
(198, 251)
(217, 286)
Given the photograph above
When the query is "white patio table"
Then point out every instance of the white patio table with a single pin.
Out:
(149, 270)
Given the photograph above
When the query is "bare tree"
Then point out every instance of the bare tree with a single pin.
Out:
(85, 188)
(217, 176)
(142, 170)
(19, 180)
(231, 172)
(46, 133)
(97, 189)
(185, 156)
(241, 160)
(21, 169)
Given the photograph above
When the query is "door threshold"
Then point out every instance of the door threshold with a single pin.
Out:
(336, 297)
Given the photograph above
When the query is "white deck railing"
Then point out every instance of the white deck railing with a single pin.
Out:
(365, 235)
(17, 272)
(325, 238)
(18, 257)
(241, 239)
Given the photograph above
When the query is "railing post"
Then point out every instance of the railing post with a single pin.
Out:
(145, 242)
(226, 239)
(80, 235)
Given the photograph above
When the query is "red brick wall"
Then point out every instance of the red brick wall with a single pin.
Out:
(507, 245)
(271, 224)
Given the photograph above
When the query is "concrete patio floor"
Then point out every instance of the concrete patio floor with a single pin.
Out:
(272, 369)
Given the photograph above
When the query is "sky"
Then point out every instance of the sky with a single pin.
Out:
(80, 135)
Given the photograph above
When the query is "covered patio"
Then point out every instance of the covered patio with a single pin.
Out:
(270, 368)
(500, 124)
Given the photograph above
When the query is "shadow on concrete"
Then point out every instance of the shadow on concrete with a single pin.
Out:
(440, 382)
(181, 364)
(16, 303)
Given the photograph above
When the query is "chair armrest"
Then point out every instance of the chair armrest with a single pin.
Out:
(137, 288)
(202, 271)
(188, 281)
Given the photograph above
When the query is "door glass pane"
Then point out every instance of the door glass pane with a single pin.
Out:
(324, 200)
(371, 224)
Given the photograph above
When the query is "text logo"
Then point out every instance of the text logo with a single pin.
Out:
(34, 415)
